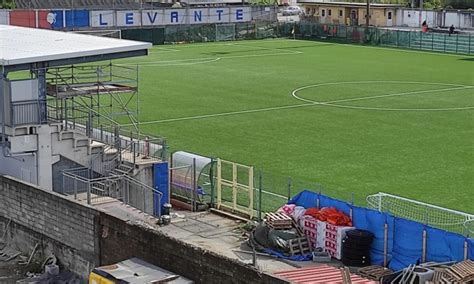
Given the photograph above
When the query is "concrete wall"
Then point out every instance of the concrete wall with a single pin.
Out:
(83, 238)
(63, 164)
(25, 239)
(71, 225)
(120, 240)
(22, 167)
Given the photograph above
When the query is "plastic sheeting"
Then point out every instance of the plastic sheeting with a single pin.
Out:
(444, 246)
(407, 244)
(470, 243)
(374, 221)
(308, 199)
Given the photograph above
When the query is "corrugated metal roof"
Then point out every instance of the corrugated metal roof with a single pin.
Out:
(320, 274)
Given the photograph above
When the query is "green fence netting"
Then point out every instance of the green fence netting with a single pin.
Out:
(439, 42)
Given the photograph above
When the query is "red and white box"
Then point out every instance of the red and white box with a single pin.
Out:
(314, 229)
(333, 239)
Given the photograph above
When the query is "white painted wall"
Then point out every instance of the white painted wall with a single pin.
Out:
(451, 18)
(411, 18)
(4, 17)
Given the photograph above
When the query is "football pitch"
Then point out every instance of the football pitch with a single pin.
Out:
(351, 118)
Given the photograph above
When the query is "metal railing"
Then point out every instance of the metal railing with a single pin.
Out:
(83, 184)
(25, 113)
(61, 78)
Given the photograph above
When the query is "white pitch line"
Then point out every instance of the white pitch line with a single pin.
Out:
(224, 114)
(398, 109)
(314, 103)
(166, 49)
(204, 60)
(395, 95)
(182, 60)
(389, 48)
(333, 103)
(178, 62)
(266, 48)
(294, 92)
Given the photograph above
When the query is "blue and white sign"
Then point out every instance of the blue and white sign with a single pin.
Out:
(240, 14)
(175, 17)
(128, 18)
(103, 18)
(198, 16)
(153, 17)
(219, 15)
(161, 17)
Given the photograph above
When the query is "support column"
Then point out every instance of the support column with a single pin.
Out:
(40, 74)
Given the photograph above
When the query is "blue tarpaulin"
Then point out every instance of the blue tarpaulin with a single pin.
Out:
(470, 252)
(444, 246)
(405, 237)
(374, 222)
(407, 243)
(306, 198)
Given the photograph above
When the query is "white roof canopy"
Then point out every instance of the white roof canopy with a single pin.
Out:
(20, 45)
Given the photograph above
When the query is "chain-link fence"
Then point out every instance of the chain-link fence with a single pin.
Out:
(220, 32)
(439, 42)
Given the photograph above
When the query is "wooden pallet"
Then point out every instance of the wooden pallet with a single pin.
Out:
(374, 272)
(279, 221)
(299, 246)
(440, 277)
(462, 271)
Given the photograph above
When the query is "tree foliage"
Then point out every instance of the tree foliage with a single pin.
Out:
(459, 4)
(7, 4)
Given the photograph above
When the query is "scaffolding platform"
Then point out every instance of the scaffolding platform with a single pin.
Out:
(69, 91)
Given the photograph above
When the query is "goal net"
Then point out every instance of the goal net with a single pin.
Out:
(428, 214)
(225, 32)
(103, 33)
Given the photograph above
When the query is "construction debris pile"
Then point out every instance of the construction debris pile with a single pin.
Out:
(328, 235)
(296, 233)
(433, 273)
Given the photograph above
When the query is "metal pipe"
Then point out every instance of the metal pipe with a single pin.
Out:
(465, 250)
(423, 249)
(88, 193)
(144, 199)
(260, 190)
(211, 181)
(194, 186)
(385, 245)
(289, 189)
(75, 188)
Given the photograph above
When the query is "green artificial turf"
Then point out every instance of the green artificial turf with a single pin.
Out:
(202, 98)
